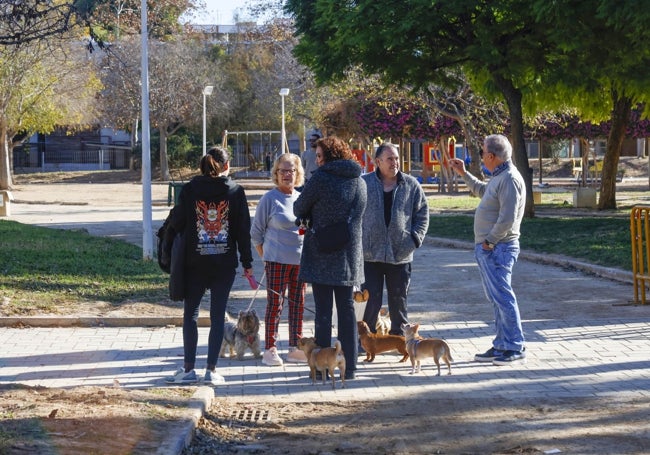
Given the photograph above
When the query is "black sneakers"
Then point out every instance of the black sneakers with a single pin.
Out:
(488, 356)
(498, 357)
(510, 357)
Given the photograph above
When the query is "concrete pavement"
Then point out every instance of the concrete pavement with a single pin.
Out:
(584, 339)
(604, 358)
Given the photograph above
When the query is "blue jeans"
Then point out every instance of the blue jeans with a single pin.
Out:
(398, 279)
(495, 267)
(219, 282)
(347, 324)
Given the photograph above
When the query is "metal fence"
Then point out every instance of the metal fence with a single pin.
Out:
(90, 156)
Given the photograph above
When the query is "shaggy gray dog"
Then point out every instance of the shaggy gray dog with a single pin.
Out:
(241, 335)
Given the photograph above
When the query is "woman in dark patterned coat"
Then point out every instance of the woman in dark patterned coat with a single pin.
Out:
(334, 193)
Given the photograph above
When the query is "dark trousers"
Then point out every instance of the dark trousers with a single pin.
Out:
(398, 280)
(219, 282)
(347, 324)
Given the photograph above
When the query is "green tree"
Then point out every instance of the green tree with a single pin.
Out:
(417, 42)
(46, 86)
(32, 82)
(600, 67)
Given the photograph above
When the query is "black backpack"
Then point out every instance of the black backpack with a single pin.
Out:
(165, 241)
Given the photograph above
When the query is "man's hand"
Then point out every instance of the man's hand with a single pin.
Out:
(458, 166)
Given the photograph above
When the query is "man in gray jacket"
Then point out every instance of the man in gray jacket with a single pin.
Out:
(394, 225)
(497, 223)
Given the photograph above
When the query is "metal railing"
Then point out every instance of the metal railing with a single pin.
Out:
(640, 233)
(90, 156)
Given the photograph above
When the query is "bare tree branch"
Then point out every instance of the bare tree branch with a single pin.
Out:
(23, 21)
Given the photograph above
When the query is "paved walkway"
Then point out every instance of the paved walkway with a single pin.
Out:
(607, 358)
(583, 337)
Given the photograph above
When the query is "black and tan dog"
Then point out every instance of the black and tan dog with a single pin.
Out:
(374, 343)
(241, 335)
(422, 348)
(323, 359)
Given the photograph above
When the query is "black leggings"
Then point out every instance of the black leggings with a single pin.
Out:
(347, 324)
(220, 285)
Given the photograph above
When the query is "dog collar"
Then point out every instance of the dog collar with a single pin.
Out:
(415, 346)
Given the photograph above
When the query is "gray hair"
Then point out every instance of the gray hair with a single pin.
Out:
(499, 146)
(385, 146)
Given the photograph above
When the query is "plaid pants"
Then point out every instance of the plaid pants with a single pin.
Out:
(280, 277)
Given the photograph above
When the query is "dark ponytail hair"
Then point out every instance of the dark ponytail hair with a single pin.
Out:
(214, 161)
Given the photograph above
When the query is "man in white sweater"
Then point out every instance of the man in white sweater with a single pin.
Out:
(496, 234)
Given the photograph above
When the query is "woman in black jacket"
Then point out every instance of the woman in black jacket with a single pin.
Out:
(213, 215)
(334, 193)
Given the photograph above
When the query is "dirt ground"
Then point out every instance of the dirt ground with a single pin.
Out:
(453, 425)
(113, 421)
(87, 420)
(118, 421)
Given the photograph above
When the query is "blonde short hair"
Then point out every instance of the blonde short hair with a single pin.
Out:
(297, 163)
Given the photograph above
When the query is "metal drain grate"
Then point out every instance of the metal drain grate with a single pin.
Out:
(251, 415)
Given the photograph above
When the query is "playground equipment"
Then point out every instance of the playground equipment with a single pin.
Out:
(249, 147)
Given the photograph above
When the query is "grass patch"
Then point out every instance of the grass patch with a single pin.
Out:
(599, 240)
(41, 267)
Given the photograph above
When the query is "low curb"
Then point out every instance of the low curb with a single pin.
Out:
(92, 321)
(199, 403)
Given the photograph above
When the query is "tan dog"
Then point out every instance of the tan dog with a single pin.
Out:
(323, 359)
(421, 348)
(374, 343)
(383, 322)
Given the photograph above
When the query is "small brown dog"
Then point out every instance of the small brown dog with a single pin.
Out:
(421, 348)
(374, 343)
(323, 359)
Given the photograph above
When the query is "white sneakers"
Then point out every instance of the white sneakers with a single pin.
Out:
(213, 378)
(271, 358)
(181, 377)
(295, 355)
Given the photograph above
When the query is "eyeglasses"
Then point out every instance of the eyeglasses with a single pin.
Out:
(287, 171)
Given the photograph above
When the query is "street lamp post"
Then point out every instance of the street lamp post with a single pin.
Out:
(285, 147)
(207, 90)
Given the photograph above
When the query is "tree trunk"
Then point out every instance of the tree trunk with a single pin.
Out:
(513, 97)
(620, 120)
(6, 182)
(164, 162)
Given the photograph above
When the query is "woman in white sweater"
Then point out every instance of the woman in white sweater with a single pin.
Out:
(278, 241)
